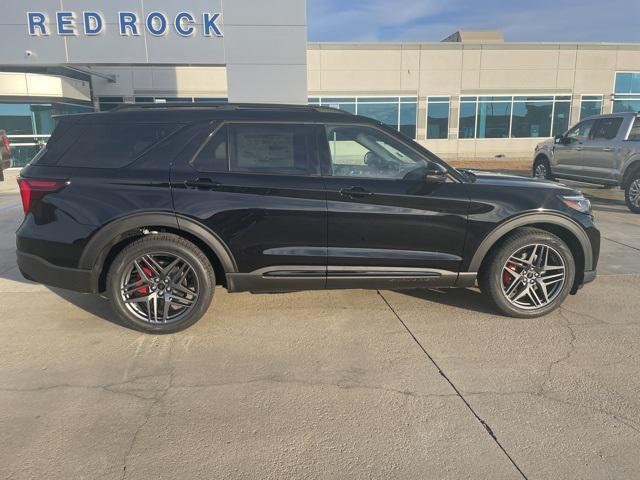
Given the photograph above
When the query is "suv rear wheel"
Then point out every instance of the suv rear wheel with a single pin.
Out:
(632, 192)
(161, 283)
(529, 275)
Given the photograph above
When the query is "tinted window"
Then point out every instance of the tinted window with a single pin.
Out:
(634, 134)
(607, 128)
(275, 149)
(580, 132)
(358, 151)
(64, 135)
(213, 157)
(113, 145)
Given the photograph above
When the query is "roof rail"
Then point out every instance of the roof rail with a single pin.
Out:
(225, 106)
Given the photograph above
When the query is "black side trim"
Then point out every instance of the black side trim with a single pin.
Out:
(39, 270)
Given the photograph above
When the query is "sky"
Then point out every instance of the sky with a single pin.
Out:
(433, 20)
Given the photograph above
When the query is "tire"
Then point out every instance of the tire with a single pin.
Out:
(170, 270)
(542, 168)
(496, 282)
(632, 192)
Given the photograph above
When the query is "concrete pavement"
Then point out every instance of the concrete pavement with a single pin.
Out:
(336, 384)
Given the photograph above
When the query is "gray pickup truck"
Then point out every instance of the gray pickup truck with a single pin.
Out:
(602, 150)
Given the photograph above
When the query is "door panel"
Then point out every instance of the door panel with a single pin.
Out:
(569, 157)
(389, 230)
(601, 154)
(271, 222)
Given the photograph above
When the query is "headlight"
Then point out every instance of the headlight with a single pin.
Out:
(577, 202)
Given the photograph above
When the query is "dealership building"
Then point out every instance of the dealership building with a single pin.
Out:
(472, 96)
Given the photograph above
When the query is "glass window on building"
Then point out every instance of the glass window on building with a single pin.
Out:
(468, 109)
(561, 115)
(627, 92)
(437, 118)
(400, 113)
(532, 117)
(590, 105)
(493, 118)
(514, 117)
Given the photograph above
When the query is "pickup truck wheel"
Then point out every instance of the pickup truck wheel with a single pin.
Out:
(632, 193)
(529, 274)
(161, 283)
(542, 168)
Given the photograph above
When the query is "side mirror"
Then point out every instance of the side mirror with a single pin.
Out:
(560, 140)
(435, 175)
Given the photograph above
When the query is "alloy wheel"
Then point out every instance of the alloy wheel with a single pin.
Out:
(634, 193)
(541, 171)
(159, 288)
(533, 277)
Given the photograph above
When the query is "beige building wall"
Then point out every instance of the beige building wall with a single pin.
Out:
(454, 69)
(427, 69)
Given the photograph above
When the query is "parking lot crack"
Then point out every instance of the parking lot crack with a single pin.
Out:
(457, 391)
(567, 354)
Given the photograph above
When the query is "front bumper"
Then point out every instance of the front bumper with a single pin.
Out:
(589, 277)
(39, 270)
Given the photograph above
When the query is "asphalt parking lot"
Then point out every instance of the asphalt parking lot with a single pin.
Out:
(336, 384)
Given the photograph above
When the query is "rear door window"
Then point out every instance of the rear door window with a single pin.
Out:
(114, 145)
(607, 128)
(280, 149)
(214, 155)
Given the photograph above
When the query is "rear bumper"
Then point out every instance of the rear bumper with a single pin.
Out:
(39, 270)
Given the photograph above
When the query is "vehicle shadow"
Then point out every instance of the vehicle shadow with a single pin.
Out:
(463, 298)
(93, 304)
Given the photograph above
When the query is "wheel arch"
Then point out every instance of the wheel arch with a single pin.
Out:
(104, 246)
(565, 228)
(632, 167)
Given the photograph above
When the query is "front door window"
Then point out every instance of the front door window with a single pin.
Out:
(365, 152)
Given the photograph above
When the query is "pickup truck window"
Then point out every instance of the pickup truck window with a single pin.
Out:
(607, 128)
(634, 134)
(580, 132)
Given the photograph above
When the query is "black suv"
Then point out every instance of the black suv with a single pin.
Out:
(155, 206)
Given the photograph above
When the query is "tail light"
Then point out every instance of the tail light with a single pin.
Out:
(32, 190)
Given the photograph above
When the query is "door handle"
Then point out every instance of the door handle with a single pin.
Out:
(607, 149)
(202, 184)
(355, 192)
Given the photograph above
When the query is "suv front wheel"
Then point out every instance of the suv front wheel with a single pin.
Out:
(542, 168)
(632, 192)
(160, 283)
(529, 275)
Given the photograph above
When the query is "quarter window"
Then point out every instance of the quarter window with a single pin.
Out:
(607, 128)
(358, 151)
(114, 145)
(285, 149)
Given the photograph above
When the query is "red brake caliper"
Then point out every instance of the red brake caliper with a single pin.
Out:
(143, 290)
(506, 278)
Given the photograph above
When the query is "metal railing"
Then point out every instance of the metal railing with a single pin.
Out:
(25, 147)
